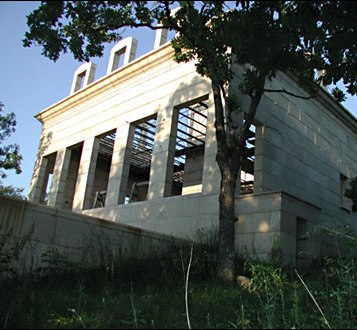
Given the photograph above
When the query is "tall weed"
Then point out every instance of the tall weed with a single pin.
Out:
(118, 291)
(10, 252)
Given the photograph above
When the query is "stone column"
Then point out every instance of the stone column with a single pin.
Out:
(160, 37)
(119, 170)
(37, 181)
(211, 175)
(259, 171)
(86, 174)
(163, 154)
(59, 178)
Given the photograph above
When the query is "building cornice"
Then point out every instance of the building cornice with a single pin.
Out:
(152, 59)
(132, 69)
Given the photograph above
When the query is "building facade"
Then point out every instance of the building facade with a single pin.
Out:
(138, 147)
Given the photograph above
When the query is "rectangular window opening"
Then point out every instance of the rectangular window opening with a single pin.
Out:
(47, 181)
(102, 169)
(140, 160)
(71, 179)
(118, 61)
(189, 149)
(80, 81)
(248, 160)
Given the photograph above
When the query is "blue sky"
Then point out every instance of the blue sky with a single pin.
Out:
(29, 82)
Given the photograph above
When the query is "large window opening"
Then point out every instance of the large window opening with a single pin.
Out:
(189, 149)
(71, 179)
(102, 169)
(143, 133)
(247, 168)
(80, 81)
(50, 161)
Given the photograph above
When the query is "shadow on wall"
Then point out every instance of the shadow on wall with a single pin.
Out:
(39, 169)
(33, 236)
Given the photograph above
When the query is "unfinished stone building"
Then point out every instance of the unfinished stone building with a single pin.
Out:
(137, 146)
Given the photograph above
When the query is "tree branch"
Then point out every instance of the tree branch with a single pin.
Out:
(287, 92)
(219, 122)
(132, 24)
(255, 100)
(172, 23)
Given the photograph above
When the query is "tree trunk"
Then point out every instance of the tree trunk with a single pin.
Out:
(226, 248)
(229, 162)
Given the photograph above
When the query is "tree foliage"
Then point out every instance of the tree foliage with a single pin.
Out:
(10, 157)
(299, 36)
(12, 191)
(261, 37)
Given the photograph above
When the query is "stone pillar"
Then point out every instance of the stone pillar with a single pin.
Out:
(37, 181)
(160, 37)
(211, 175)
(259, 171)
(86, 174)
(163, 154)
(59, 178)
(119, 170)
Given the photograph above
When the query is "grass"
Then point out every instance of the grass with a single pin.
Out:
(128, 293)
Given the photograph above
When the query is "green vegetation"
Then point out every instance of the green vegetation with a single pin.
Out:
(10, 157)
(129, 293)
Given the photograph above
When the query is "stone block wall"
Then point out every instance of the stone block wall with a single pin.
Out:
(78, 237)
(304, 149)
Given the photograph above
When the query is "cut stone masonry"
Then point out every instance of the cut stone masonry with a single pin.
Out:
(137, 146)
